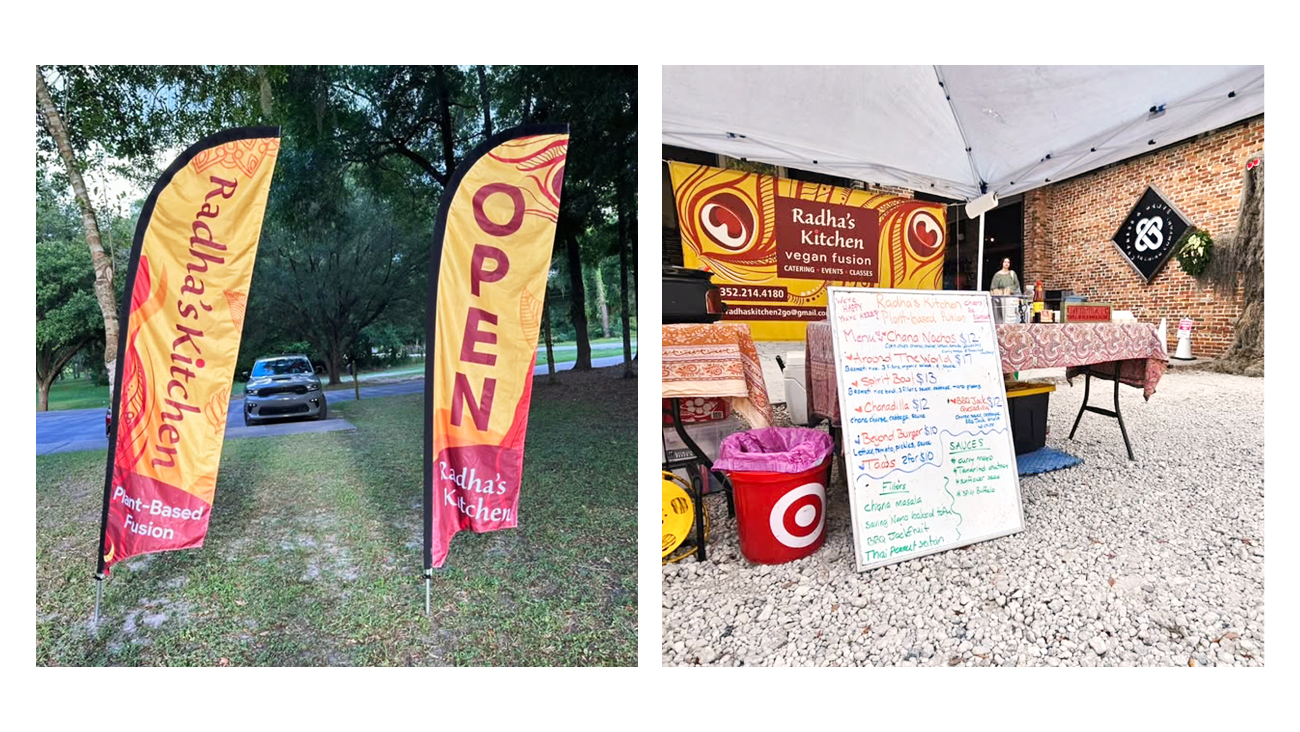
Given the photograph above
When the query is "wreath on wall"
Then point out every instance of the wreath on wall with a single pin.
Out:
(1194, 251)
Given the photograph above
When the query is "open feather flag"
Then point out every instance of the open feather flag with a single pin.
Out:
(487, 283)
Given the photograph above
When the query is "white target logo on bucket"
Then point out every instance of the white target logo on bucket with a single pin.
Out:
(799, 516)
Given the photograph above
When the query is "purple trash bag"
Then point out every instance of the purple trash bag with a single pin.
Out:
(774, 450)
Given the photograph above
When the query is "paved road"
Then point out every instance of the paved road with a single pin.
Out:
(71, 430)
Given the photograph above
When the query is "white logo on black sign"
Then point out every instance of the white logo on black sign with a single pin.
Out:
(1148, 234)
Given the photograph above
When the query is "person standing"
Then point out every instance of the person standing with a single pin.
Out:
(1005, 281)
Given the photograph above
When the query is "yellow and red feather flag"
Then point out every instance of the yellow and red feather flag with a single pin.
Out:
(487, 283)
(187, 284)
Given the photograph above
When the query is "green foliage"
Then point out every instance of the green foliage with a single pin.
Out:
(65, 303)
(126, 117)
(67, 315)
(1195, 250)
(366, 152)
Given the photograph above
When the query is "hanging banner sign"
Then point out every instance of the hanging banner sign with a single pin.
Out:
(487, 283)
(187, 288)
(1148, 234)
(776, 245)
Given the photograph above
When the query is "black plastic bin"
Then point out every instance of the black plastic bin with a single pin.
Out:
(1027, 406)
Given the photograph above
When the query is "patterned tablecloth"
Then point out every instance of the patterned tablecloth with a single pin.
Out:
(712, 360)
(1075, 346)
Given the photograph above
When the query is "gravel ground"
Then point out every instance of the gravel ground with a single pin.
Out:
(1158, 562)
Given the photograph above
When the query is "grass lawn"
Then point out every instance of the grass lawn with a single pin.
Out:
(313, 556)
(77, 394)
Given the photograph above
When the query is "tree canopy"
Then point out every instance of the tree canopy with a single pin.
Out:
(366, 152)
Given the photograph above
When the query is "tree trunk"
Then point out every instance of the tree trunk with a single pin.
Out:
(356, 385)
(48, 367)
(444, 112)
(550, 353)
(102, 263)
(486, 101)
(602, 305)
(264, 86)
(334, 363)
(629, 297)
(622, 273)
(43, 394)
(577, 302)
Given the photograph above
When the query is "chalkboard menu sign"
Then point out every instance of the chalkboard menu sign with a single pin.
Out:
(927, 440)
(1147, 236)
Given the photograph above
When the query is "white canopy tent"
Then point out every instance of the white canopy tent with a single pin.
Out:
(955, 131)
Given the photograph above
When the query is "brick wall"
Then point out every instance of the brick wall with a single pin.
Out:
(1068, 226)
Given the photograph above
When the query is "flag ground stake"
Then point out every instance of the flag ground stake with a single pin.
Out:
(99, 590)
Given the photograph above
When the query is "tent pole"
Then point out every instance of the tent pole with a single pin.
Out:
(979, 271)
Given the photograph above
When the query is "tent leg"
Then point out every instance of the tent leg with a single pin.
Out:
(979, 263)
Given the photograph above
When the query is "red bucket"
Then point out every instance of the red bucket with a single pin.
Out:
(781, 517)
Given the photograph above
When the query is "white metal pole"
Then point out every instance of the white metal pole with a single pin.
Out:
(99, 589)
(979, 271)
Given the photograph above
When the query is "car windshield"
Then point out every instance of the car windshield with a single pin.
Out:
(282, 366)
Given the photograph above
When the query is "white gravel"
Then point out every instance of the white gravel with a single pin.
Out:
(1158, 562)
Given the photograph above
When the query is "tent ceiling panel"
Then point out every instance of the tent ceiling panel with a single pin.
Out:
(894, 125)
(869, 123)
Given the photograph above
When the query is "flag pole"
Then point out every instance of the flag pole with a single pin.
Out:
(430, 371)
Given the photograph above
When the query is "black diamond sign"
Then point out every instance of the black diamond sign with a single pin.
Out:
(1148, 235)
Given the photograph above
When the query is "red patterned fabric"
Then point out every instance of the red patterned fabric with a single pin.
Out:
(1075, 346)
(819, 365)
(1078, 345)
(712, 360)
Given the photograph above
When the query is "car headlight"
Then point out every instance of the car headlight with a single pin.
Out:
(313, 386)
(251, 392)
